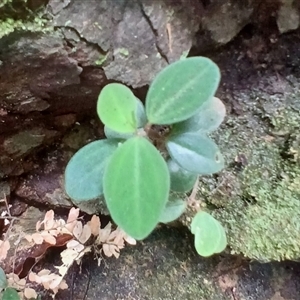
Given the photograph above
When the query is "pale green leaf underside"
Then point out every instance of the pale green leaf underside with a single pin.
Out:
(180, 89)
(84, 172)
(210, 237)
(195, 153)
(3, 280)
(209, 117)
(116, 108)
(181, 179)
(136, 186)
(173, 210)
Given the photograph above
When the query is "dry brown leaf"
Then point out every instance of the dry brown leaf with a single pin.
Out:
(30, 293)
(106, 250)
(32, 276)
(72, 219)
(95, 225)
(48, 238)
(38, 225)
(37, 238)
(75, 245)
(49, 220)
(4, 247)
(104, 233)
(43, 272)
(77, 230)
(68, 256)
(85, 234)
(111, 250)
(73, 215)
(14, 281)
(130, 240)
(55, 282)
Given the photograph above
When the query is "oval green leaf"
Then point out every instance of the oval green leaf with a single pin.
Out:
(10, 294)
(116, 108)
(180, 89)
(209, 117)
(141, 122)
(136, 187)
(195, 153)
(3, 280)
(84, 172)
(209, 234)
(181, 179)
(173, 210)
(112, 134)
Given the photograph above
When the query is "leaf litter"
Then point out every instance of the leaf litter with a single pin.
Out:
(20, 251)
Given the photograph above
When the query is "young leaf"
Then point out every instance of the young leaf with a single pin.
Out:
(210, 237)
(180, 89)
(140, 114)
(141, 122)
(84, 172)
(136, 186)
(195, 153)
(181, 179)
(10, 294)
(117, 107)
(3, 280)
(173, 210)
(209, 117)
(112, 134)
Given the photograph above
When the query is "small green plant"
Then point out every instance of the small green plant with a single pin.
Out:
(154, 153)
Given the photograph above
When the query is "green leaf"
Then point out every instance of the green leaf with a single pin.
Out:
(10, 294)
(140, 114)
(174, 209)
(206, 120)
(195, 153)
(210, 237)
(181, 179)
(3, 280)
(112, 134)
(84, 172)
(141, 122)
(116, 108)
(136, 187)
(180, 89)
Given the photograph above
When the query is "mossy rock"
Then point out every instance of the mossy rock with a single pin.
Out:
(258, 195)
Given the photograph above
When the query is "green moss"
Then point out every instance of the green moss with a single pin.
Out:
(15, 15)
(101, 60)
(258, 195)
(9, 25)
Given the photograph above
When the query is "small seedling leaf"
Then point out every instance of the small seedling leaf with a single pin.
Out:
(112, 134)
(117, 108)
(136, 187)
(209, 117)
(141, 121)
(180, 89)
(141, 114)
(181, 179)
(173, 210)
(84, 172)
(210, 237)
(3, 280)
(195, 153)
(10, 294)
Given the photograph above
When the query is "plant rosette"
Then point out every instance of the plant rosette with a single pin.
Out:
(155, 152)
